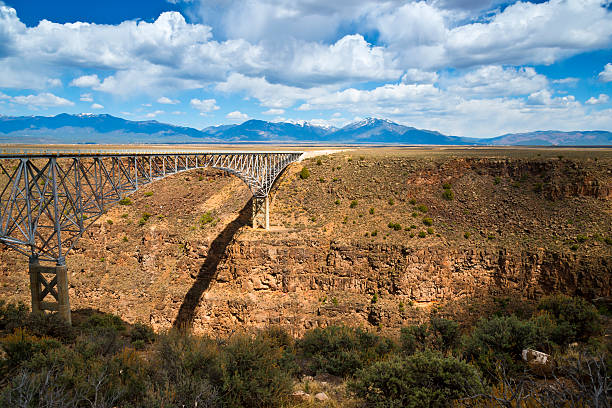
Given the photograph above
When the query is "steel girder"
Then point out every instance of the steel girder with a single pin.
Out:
(48, 201)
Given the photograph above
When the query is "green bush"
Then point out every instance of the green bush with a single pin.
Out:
(425, 379)
(395, 226)
(430, 230)
(497, 180)
(107, 321)
(575, 319)
(340, 350)
(391, 201)
(142, 332)
(251, 374)
(353, 204)
(319, 162)
(422, 234)
(422, 208)
(444, 333)
(305, 173)
(12, 315)
(413, 338)
(466, 235)
(371, 210)
(428, 221)
(148, 194)
(448, 195)
(501, 339)
(20, 346)
(446, 186)
(125, 201)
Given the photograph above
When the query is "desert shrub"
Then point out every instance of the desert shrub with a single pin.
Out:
(374, 233)
(142, 333)
(106, 321)
(412, 201)
(20, 346)
(340, 350)
(391, 201)
(319, 162)
(374, 298)
(353, 204)
(337, 202)
(51, 325)
(501, 339)
(125, 201)
(422, 234)
(430, 230)
(304, 173)
(466, 235)
(206, 218)
(422, 208)
(251, 374)
(581, 239)
(444, 333)
(446, 186)
(109, 222)
(371, 210)
(103, 341)
(425, 379)
(148, 194)
(12, 315)
(448, 194)
(575, 319)
(395, 226)
(428, 221)
(413, 338)
(143, 220)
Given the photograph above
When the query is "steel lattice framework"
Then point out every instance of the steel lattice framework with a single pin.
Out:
(49, 198)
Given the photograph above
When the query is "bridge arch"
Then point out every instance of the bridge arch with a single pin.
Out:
(50, 197)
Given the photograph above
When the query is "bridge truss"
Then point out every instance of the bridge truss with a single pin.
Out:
(48, 199)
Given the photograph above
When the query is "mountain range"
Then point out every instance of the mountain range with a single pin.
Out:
(107, 129)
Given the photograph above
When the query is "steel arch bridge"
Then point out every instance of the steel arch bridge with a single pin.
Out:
(49, 197)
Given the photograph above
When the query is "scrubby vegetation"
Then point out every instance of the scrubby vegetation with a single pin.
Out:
(104, 362)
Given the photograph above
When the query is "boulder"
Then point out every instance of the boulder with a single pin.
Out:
(540, 363)
(300, 396)
(321, 396)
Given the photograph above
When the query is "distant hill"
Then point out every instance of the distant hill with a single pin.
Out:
(554, 138)
(90, 128)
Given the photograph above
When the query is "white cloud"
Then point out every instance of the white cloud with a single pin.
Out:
(204, 105)
(602, 98)
(606, 74)
(274, 112)
(566, 81)
(237, 116)
(154, 114)
(97, 106)
(44, 99)
(86, 81)
(493, 80)
(86, 97)
(167, 101)
(417, 76)
(269, 95)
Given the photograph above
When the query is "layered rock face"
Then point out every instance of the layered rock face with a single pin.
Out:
(369, 239)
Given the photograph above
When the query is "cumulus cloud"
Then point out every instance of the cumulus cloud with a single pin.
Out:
(602, 98)
(44, 99)
(86, 81)
(204, 105)
(237, 116)
(97, 106)
(417, 76)
(606, 74)
(86, 97)
(495, 80)
(167, 101)
(274, 112)
(154, 114)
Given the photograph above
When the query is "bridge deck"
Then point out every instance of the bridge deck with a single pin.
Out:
(41, 151)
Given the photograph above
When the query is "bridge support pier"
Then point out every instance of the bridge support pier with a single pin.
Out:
(53, 281)
(261, 212)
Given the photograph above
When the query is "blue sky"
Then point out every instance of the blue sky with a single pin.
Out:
(463, 67)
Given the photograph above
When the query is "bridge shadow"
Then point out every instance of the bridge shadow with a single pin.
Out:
(208, 270)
